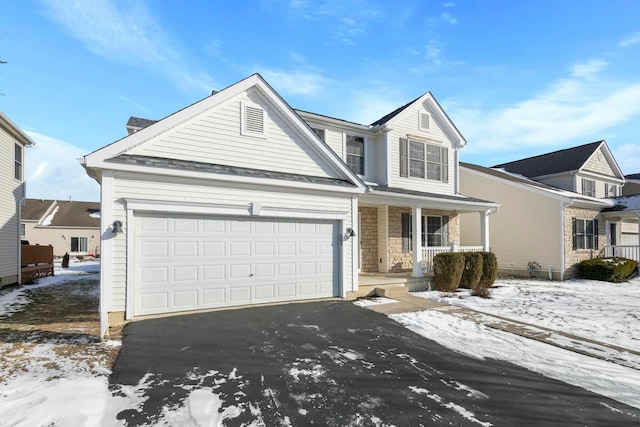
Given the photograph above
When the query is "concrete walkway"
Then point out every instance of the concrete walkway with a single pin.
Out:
(612, 353)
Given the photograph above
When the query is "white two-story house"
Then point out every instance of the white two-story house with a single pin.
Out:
(239, 199)
(13, 142)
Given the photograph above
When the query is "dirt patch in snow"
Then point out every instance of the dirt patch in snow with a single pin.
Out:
(57, 328)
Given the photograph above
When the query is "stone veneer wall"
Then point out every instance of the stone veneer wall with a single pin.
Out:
(573, 257)
(368, 239)
(403, 261)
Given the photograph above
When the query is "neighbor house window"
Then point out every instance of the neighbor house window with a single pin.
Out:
(23, 229)
(79, 244)
(319, 132)
(434, 231)
(588, 187)
(355, 153)
(423, 160)
(585, 233)
(610, 190)
(18, 162)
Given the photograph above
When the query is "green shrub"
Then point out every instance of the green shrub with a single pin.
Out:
(472, 272)
(489, 268)
(607, 269)
(447, 269)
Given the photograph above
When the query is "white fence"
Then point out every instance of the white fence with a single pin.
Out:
(430, 251)
(627, 251)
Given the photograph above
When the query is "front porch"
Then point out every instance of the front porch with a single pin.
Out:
(623, 251)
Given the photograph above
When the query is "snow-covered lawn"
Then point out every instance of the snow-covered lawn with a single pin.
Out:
(596, 310)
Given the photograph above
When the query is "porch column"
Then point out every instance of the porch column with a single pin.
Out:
(484, 230)
(417, 242)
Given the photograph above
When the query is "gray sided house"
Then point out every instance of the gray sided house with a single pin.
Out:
(239, 199)
(556, 210)
(13, 143)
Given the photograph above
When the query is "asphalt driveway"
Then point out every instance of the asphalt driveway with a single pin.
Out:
(336, 364)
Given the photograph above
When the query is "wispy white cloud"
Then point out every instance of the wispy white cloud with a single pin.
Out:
(50, 175)
(630, 40)
(295, 82)
(137, 106)
(449, 4)
(584, 105)
(589, 68)
(125, 33)
(449, 18)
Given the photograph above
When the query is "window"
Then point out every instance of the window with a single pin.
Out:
(423, 160)
(425, 119)
(253, 120)
(23, 229)
(585, 233)
(435, 231)
(18, 162)
(79, 244)
(610, 190)
(355, 154)
(588, 187)
(319, 132)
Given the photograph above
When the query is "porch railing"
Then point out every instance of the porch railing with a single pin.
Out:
(37, 261)
(623, 251)
(430, 251)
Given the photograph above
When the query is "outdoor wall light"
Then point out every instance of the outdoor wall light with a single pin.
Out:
(351, 232)
(117, 227)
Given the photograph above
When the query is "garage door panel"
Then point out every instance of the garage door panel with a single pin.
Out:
(186, 263)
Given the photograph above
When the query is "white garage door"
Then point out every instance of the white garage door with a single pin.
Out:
(188, 263)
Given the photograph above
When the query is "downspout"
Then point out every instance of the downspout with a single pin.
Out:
(20, 205)
(563, 206)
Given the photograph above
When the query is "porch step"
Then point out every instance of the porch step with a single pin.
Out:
(391, 291)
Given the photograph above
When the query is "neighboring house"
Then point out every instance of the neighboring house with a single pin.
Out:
(12, 194)
(70, 227)
(631, 185)
(239, 199)
(551, 208)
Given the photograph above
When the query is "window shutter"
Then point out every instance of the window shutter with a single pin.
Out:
(404, 157)
(444, 159)
(406, 227)
(606, 189)
(573, 232)
(595, 234)
(445, 230)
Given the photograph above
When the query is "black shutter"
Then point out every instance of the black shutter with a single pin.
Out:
(404, 157)
(595, 234)
(444, 159)
(575, 238)
(406, 237)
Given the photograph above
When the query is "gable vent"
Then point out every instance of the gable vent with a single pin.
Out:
(424, 121)
(253, 119)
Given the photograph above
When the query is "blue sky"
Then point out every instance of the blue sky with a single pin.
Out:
(518, 78)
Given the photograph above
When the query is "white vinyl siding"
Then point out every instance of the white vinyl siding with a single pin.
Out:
(216, 137)
(407, 126)
(527, 227)
(598, 163)
(159, 188)
(11, 191)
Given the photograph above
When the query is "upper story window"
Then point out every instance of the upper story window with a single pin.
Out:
(253, 120)
(355, 154)
(319, 132)
(423, 160)
(588, 187)
(18, 162)
(610, 190)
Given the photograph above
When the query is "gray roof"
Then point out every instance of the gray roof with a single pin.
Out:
(190, 165)
(634, 176)
(457, 198)
(68, 214)
(138, 123)
(569, 159)
(394, 113)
